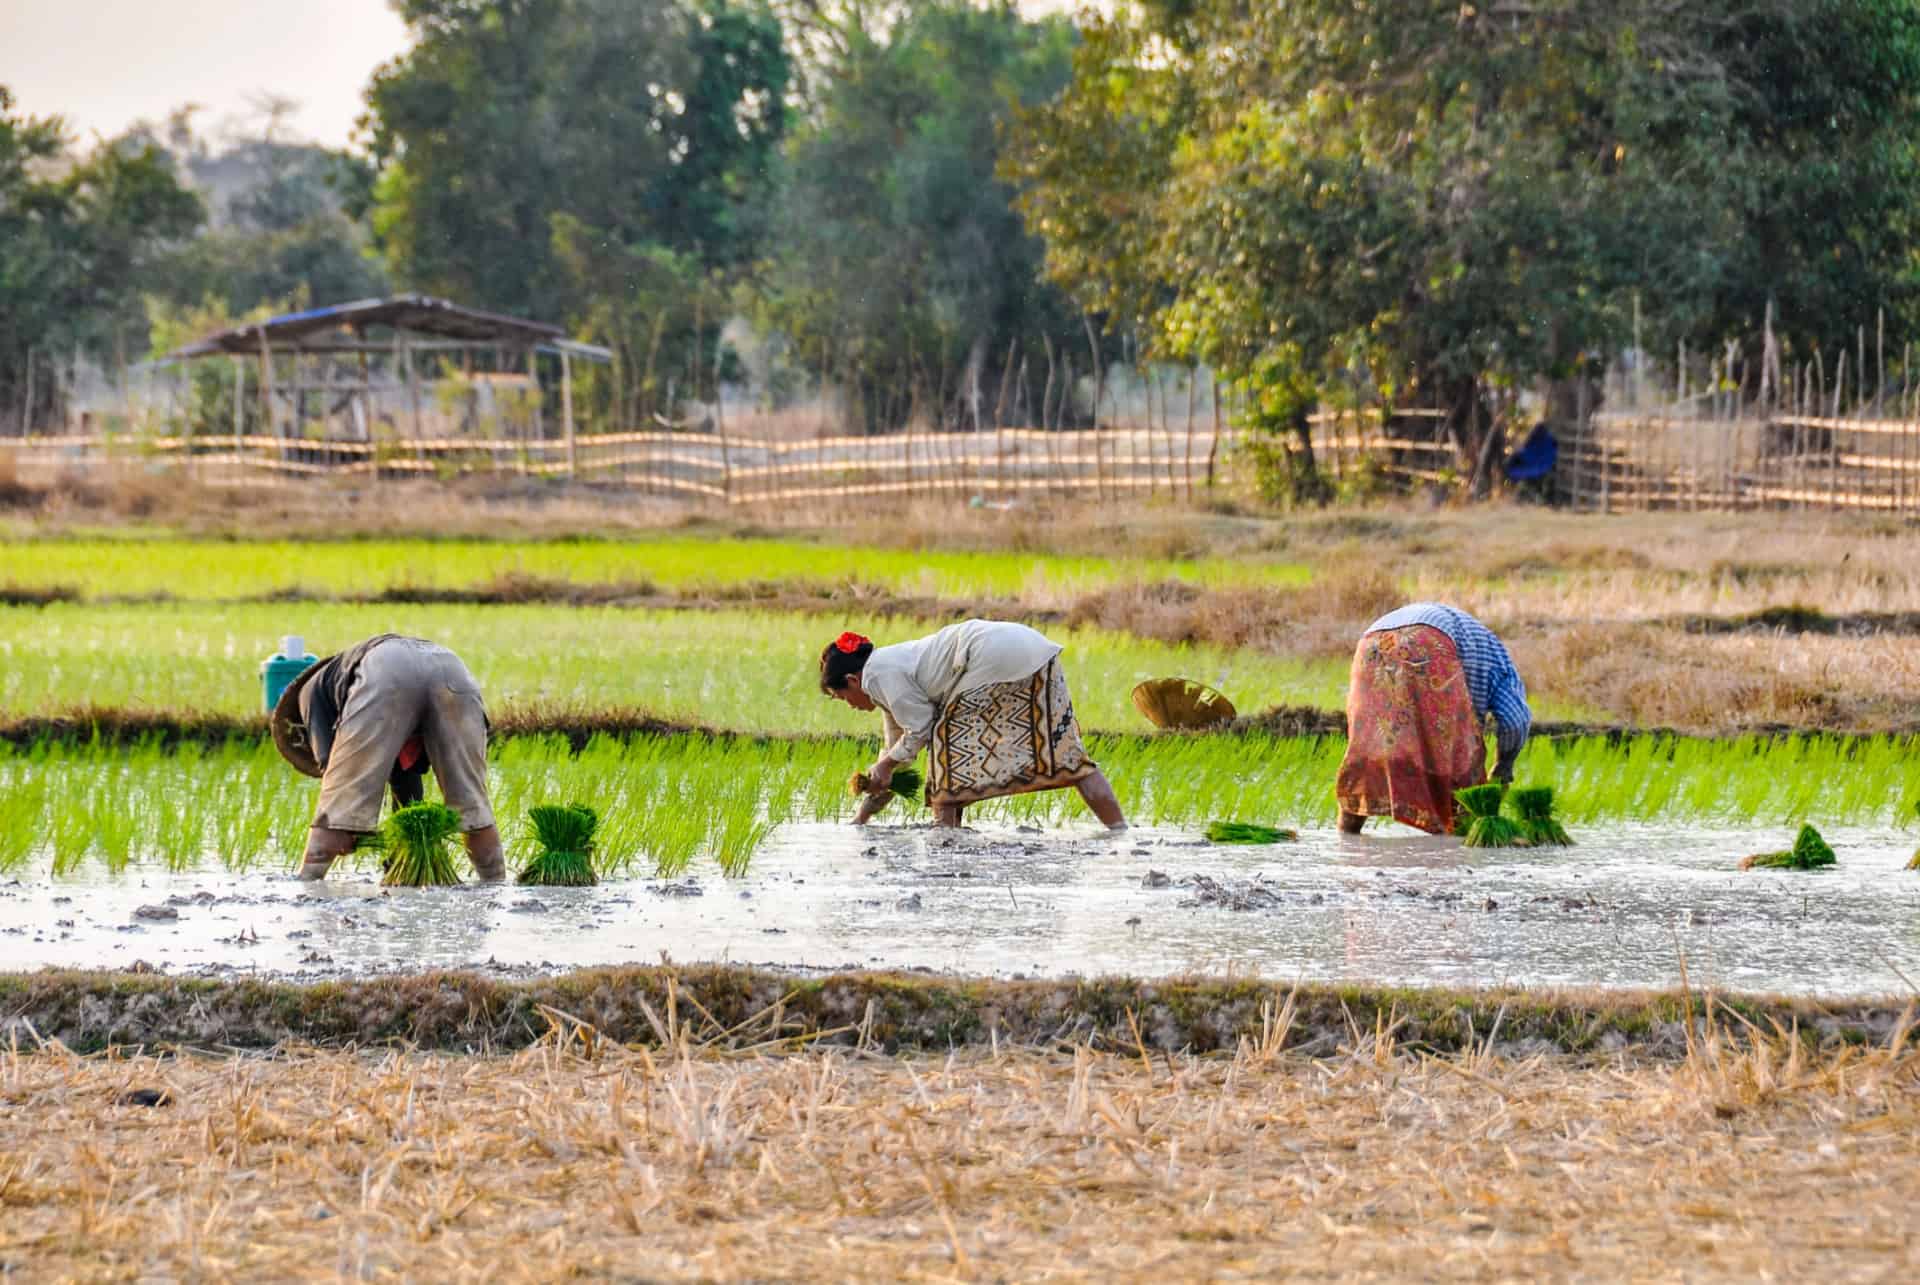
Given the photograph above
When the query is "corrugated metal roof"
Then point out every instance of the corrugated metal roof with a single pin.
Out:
(419, 314)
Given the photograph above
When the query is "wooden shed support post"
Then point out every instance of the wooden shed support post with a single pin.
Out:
(566, 410)
(268, 427)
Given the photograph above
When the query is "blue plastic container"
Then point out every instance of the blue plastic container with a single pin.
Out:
(277, 670)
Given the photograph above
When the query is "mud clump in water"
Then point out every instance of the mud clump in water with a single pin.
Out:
(1230, 894)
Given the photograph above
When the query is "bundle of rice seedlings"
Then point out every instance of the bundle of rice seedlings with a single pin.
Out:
(1248, 832)
(416, 843)
(906, 782)
(565, 835)
(1809, 852)
(1486, 828)
(1533, 813)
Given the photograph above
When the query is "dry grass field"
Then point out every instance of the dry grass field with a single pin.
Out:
(1751, 1158)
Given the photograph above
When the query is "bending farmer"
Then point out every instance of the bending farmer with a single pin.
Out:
(988, 697)
(1424, 677)
(379, 715)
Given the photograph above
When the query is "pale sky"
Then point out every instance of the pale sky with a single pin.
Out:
(103, 64)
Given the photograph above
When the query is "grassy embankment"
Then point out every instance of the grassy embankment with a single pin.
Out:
(1404, 1134)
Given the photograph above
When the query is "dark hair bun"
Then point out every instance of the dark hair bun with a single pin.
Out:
(837, 666)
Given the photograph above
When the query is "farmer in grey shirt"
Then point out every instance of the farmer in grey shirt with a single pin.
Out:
(379, 715)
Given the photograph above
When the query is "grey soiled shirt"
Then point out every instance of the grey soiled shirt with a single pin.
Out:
(325, 695)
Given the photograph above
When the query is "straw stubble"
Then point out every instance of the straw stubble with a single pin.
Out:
(581, 1158)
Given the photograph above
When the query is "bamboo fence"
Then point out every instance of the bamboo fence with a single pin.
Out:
(1611, 463)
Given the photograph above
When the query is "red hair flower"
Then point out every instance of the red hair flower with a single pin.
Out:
(850, 642)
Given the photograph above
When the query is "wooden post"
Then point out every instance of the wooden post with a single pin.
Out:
(239, 396)
(26, 407)
(566, 410)
(1193, 380)
(268, 427)
(1213, 443)
(1099, 368)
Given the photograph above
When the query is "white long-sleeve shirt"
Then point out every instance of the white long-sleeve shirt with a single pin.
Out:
(912, 682)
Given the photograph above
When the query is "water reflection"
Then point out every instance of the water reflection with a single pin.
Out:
(1622, 909)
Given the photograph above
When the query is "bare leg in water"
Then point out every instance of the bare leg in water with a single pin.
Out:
(1350, 822)
(325, 845)
(1098, 793)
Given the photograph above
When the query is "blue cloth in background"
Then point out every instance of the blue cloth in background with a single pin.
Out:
(1536, 456)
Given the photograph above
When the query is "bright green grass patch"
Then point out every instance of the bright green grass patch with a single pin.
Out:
(668, 803)
(207, 569)
(740, 670)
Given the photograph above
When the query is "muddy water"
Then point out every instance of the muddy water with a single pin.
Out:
(1622, 909)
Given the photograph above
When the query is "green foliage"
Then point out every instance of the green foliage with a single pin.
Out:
(565, 835)
(1809, 852)
(1533, 812)
(1248, 832)
(897, 260)
(1486, 828)
(594, 160)
(79, 242)
(1436, 200)
(416, 851)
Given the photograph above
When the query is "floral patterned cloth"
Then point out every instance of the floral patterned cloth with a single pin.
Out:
(1412, 737)
(1007, 738)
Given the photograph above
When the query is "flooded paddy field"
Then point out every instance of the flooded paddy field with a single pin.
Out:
(1629, 907)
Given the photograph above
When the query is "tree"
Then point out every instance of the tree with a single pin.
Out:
(77, 249)
(899, 260)
(595, 161)
(1438, 199)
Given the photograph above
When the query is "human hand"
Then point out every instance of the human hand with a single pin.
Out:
(880, 775)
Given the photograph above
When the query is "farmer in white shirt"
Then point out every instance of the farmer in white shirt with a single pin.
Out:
(988, 699)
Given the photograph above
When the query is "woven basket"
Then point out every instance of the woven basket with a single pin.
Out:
(1181, 703)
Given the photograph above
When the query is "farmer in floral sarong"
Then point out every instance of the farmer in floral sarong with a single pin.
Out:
(379, 715)
(989, 700)
(1424, 678)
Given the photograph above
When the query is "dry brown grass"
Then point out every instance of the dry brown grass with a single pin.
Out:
(1750, 1158)
(1647, 676)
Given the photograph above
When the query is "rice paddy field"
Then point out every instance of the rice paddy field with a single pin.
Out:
(768, 1044)
(213, 569)
(750, 671)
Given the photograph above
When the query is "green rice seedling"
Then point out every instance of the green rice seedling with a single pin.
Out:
(565, 835)
(1248, 832)
(1915, 863)
(189, 568)
(906, 783)
(418, 851)
(1809, 852)
(1485, 827)
(1533, 813)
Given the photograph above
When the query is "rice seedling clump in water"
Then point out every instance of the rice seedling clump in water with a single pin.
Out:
(1915, 863)
(906, 782)
(416, 846)
(1809, 852)
(565, 835)
(1486, 828)
(1247, 832)
(1533, 813)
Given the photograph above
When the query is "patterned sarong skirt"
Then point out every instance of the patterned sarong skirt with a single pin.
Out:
(1007, 738)
(1412, 738)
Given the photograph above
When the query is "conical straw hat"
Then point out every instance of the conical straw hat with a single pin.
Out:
(289, 729)
(1181, 702)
